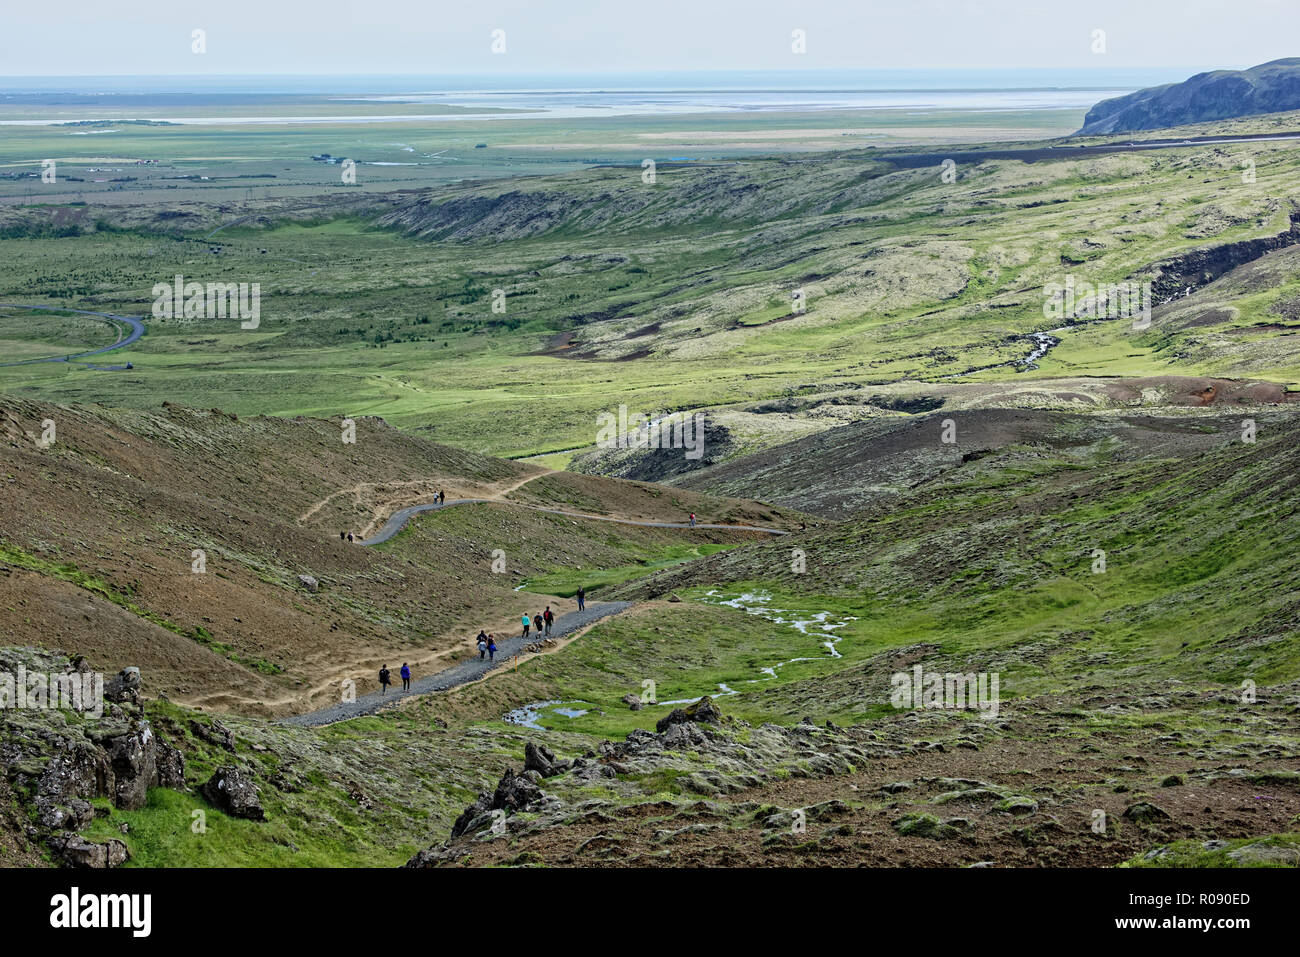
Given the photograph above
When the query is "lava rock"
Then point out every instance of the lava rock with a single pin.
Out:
(73, 850)
(703, 711)
(124, 687)
(231, 790)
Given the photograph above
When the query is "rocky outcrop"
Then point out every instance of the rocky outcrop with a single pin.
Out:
(1222, 94)
(703, 711)
(73, 850)
(513, 793)
(124, 687)
(63, 761)
(540, 758)
(1172, 278)
(231, 790)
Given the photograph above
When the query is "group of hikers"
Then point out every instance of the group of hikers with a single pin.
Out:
(486, 643)
(538, 622)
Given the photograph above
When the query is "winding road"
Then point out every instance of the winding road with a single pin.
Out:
(137, 330)
(463, 673)
(399, 519)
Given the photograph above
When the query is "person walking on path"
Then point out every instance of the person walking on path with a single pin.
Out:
(692, 519)
(482, 645)
(582, 598)
(383, 679)
(537, 625)
(527, 621)
(548, 616)
(406, 677)
(492, 650)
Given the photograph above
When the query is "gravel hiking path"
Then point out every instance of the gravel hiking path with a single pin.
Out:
(400, 518)
(470, 670)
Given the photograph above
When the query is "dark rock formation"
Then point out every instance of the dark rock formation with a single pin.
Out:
(73, 850)
(540, 758)
(124, 687)
(703, 711)
(233, 792)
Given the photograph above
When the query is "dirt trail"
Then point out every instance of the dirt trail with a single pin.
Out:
(388, 497)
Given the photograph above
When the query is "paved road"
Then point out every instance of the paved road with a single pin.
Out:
(399, 519)
(137, 330)
(466, 671)
(906, 159)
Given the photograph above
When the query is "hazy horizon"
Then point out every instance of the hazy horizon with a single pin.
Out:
(246, 38)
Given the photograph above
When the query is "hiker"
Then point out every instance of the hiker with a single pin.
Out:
(482, 645)
(342, 536)
(349, 536)
(692, 519)
(492, 650)
(406, 677)
(548, 616)
(383, 678)
(527, 621)
(537, 625)
(582, 598)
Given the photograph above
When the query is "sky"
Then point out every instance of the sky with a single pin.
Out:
(259, 37)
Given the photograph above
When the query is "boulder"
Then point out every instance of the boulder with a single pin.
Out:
(78, 773)
(703, 711)
(540, 758)
(632, 701)
(171, 766)
(124, 687)
(133, 759)
(515, 792)
(683, 737)
(73, 850)
(309, 583)
(1145, 813)
(482, 806)
(233, 792)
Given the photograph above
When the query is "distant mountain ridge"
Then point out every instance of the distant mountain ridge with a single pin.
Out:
(1271, 87)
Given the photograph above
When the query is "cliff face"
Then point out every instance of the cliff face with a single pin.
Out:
(1223, 94)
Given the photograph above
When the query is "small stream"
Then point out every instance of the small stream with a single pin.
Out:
(815, 624)
(530, 714)
(1044, 342)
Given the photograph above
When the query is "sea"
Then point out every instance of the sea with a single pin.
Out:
(582, 95)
